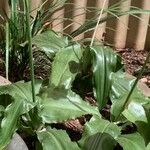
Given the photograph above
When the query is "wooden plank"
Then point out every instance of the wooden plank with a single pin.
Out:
(111, 26)
(117, 33)
(34, 6)
(57, 18)
(143, 27)
(68, 15)
(136, 36)
(147, 43)
(102, 27)
(79, 15)
(122, 27)
(90, 14)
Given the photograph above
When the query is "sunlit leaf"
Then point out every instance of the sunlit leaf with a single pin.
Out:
(65, 66)
(49, 42)
(135, 112)
(105, 61)
(19, 98)
(99, 125)
(121, 85)
(64, 106)
(9, 123)
(144, 127)
(131, 141)
(53, 139)
(148, 147)
(100, 141)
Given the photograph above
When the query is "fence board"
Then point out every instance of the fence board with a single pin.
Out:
(122, 27)
(102, 27)
(143, 26)
(79, 15)
(126, 32)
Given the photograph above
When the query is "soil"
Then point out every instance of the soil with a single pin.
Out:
(134, 60)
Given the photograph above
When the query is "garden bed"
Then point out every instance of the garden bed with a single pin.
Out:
(134, 60)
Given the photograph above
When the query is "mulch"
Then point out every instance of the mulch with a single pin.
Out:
(133, 61)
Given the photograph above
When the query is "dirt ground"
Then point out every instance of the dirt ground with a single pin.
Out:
(133, 61)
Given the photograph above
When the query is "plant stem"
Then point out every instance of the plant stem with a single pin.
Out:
(7, 50)
(27, 6)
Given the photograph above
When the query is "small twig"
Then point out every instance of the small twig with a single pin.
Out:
(27, 6)
(99, 18)
(7, 50)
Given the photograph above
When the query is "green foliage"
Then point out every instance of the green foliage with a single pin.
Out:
(53, 139)
(131, 141)
(65, 66)
(148, 147)
(105, 62)
(50, 42)
(133, 109)
(98, 125)
(20, 97)
(100, 141)
(64, 106)
(56, 102)
(15, 44)
(9, 123)
(114, 12)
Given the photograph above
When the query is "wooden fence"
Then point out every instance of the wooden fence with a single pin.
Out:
(126, 32)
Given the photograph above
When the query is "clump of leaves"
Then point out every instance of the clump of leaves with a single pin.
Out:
(56, 102)
(14, 28)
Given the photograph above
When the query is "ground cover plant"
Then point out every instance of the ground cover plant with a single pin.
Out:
(88, 101)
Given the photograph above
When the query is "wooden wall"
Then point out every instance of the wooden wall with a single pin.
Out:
(126, 32)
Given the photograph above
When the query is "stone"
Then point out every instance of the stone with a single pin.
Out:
(17, 143)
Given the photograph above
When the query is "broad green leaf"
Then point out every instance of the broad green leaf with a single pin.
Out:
(86, 60)
(20, 91)
(50, 42)
(105, 61)
(2, 109)
(131, 141)
(53, 139)
(99, 125)
(121, 85)
(117, 108)
(100, 141)
(135, 112)
(65, 66)
(148, 147)
(60, 107)
(20, 102)
(9, 123)
(144, 127)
